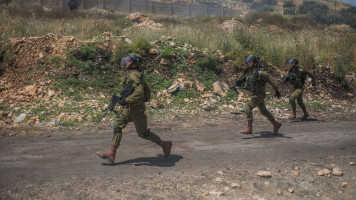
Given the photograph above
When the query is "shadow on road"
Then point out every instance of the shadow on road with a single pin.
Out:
(158, 161)
(304, 120)
(266, 134)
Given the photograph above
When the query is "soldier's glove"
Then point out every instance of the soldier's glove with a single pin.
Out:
(278, 94)
(113, 97)
(122, 102)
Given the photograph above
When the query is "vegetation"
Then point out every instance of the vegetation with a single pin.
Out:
(92, 70)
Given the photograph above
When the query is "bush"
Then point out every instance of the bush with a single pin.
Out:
(208, 63)
(167, 52)
(157, 82)
(207, 78)
(141, 47)
(289, 11)
(339, 70)
(289, 4)
(122, 49)
(3, 44)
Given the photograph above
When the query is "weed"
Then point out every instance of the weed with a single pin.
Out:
(208, 63)
(207, 78)
(55, 60)
(158, 82)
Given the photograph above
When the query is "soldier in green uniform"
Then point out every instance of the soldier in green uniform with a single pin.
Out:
(134, 109)
(296, 77)
(255, 81)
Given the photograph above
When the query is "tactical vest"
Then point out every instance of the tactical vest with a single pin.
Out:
(146, 88)
(253, 83)
(295, 79)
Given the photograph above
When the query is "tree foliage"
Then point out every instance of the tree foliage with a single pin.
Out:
(289, 4)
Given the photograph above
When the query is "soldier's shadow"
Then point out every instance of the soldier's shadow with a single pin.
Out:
(305, 120)
(158, 161)
(266, 134)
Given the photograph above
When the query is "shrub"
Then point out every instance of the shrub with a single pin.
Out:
(141, 46)
(3, 44)
(157, 82)
(122, 49)
(208, 63)
(289, 11)
(289, 4)
(339, 70)
(207, 78)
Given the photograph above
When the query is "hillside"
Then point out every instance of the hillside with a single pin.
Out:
(56, 80)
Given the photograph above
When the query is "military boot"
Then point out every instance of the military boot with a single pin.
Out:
(306, 115)
(248, 129)
(293, 115)
(109, 156)
(276, 126)
(166, 146)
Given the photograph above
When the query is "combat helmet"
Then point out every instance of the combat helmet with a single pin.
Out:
(134, 57)
(292, 61)
(251, 58)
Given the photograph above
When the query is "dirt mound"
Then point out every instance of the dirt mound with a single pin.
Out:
(141, 21)
(231, 24)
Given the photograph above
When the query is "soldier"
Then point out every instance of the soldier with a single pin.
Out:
(134, 109)
(255, 81)
(296, 77)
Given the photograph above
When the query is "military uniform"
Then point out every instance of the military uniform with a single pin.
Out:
(257, 86)
(297, 79)
(134, 110)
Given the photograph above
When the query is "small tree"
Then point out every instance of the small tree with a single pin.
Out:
(289, 4)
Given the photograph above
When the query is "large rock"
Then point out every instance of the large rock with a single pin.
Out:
(337, 172)
(30, 90)
(220, 88)
(200, 86)
(20, 118)
(324, 172)
(173, 88)
(265, 174)
(165, 61)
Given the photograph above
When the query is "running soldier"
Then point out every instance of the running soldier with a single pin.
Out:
(134, 109)
(255, 81)
(296, 77)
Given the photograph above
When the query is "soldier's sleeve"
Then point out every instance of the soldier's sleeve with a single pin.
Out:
(311, 75)
(138, 94)
(268, 79)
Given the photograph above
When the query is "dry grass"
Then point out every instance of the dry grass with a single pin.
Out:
(274, 47)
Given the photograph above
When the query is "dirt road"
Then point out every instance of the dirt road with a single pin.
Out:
(211, 163)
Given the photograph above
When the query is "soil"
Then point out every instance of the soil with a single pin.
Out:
(209, 160)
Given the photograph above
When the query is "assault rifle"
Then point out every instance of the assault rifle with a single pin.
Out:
(287, 78)
(242, 80)
(124, 93)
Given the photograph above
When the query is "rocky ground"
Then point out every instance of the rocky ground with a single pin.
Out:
(313, 159)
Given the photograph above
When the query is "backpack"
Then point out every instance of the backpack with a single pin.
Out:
(146, 89)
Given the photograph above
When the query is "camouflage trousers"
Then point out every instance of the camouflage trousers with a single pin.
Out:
(297, 94)
(138, 117)
(257, 101)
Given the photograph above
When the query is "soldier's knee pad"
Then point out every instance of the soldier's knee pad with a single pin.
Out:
(145, 134)
(291, 100)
